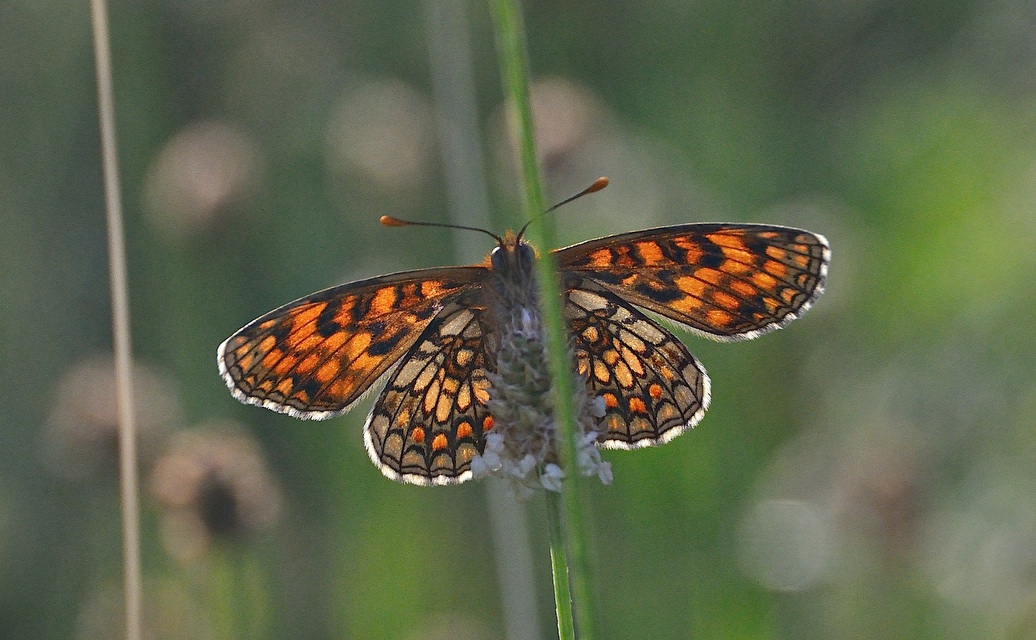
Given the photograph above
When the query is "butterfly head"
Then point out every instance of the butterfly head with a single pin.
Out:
(512, 255)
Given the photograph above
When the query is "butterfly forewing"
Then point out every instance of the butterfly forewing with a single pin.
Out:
(429, 421)
(727, 281)
(314, 357)
(651, 387)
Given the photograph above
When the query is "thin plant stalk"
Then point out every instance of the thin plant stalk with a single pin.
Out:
(559, 568)
(227, 614)
(570, 565)
(128, 481)
(239, 593)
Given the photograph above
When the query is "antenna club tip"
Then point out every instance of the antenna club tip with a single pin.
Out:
(389, 221)
(598, 184)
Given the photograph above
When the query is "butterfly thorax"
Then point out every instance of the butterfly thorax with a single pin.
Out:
(511, 300)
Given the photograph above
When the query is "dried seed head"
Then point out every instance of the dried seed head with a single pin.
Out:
(213, 484)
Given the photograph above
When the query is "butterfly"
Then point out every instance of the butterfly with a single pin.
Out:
(435, 334)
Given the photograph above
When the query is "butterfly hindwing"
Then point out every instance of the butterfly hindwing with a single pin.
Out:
(651, 387)
(429, 421)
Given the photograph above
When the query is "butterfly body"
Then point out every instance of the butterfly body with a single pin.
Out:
(510, 289)
(315, 357)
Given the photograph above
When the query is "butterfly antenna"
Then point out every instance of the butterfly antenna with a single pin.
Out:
(389, 221)
(598, 184)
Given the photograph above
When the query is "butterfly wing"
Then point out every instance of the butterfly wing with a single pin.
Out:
(430, 419)
(314, 357)
(725, 281)
(651, 386)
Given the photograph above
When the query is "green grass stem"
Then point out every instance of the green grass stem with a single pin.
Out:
(568, 547)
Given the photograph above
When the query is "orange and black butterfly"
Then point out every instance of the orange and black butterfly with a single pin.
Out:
(435, 334)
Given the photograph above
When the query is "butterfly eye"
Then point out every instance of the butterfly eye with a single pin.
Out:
(525, 256)
(498, 259)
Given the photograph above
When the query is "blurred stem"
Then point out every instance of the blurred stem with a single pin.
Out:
(460, 145)
(258, 606)
(121, 346)
(226, 605)
(566, 513)
(239, 594)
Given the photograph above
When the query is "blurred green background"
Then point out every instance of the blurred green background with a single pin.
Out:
(866, 473)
